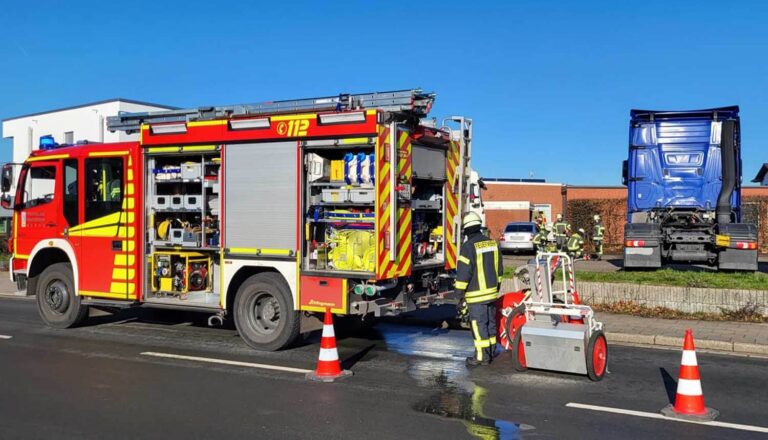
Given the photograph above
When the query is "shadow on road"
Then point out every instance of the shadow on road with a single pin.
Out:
(670, 384)
(350, 361)
(147, 315)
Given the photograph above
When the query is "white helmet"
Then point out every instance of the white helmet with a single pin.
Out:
(597, 217)
(559, 216)
(581, 231)
(471, 219)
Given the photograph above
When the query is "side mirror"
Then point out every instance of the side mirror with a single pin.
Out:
(624, 172)
(6, 201)
(6, 179)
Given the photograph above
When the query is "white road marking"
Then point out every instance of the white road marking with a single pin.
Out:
(648, 415)
(226, 362)
(5, 337)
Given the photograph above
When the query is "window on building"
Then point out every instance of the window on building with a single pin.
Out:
(71, 201)
(39, 186)
(103, 187)
(69, 137)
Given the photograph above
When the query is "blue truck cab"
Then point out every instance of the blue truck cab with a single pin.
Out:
(683, 178)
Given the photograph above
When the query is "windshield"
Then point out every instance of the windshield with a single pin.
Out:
(520, 228)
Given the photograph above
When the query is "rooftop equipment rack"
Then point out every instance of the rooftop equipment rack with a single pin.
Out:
(413, 102)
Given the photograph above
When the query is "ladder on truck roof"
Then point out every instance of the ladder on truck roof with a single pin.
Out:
(412, 102)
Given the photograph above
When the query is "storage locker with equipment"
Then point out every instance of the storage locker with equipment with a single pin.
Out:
(182, 214)
(339, 200)
(340, 205)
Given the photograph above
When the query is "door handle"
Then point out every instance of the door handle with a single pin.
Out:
(117, 245)
(66, 232)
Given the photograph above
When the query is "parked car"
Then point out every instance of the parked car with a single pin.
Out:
(518, 236)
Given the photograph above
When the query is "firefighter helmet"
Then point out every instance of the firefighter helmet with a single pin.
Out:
(559, 217)
(597, 217)
(581, 231)
(471, 219)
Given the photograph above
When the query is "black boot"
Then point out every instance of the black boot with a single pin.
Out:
(471, 362)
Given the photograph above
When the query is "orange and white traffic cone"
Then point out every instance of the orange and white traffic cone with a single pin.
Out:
(689, 401)
(328, 364)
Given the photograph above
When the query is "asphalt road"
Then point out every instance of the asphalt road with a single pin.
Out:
(409, 382)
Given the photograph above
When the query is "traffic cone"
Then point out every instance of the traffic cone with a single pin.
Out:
(328, 364)
(689, 400)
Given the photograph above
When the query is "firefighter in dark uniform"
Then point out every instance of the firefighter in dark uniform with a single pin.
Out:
(561, 229)
(598, 235)
(478, 278)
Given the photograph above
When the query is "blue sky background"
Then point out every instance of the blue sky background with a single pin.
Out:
(549, 84)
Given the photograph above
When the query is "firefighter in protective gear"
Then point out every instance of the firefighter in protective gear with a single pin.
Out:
(561, 228)
(540, 220)
(540, 239)
(478, 278)
(598, 234)
(576, 244)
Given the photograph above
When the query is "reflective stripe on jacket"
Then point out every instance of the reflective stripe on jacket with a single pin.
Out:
(479, 269)
(560, 228)
(575, 242)
(599, 231)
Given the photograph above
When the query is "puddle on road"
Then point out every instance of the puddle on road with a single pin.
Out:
(455, 402)
(436, 360)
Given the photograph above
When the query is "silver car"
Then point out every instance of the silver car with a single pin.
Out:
(518, 236)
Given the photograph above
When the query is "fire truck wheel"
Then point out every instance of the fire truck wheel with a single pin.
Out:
(56, 300)
(597, 356)
(264, 315)
(518, 353)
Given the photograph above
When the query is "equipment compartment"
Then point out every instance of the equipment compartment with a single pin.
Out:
(182, 217)
(181, 189)
(339, 206)
(428, 226)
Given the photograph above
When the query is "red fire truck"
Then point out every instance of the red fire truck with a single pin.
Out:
(263, 213)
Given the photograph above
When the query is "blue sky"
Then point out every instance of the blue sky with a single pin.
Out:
(548, 84)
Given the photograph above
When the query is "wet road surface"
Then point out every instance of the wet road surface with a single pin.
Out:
(410, 382)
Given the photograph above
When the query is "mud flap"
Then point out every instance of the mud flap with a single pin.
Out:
(646, 256)
(737, 259)
(731, 258)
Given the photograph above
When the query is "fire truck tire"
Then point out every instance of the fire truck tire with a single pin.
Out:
(57, 302)
(597, 356)
(518, 353)
(264, 315)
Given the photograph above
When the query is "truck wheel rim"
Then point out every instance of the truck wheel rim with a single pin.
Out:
(57, 297)
(264, 316)
(599, 356)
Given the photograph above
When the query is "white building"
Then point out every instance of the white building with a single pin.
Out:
(87, 122)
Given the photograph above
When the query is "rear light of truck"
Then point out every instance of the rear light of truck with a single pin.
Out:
(634, 243)
(751, 245)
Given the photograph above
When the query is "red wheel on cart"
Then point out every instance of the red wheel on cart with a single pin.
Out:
(518, 354)
(597, 356)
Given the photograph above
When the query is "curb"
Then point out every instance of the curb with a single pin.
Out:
(669, 341)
